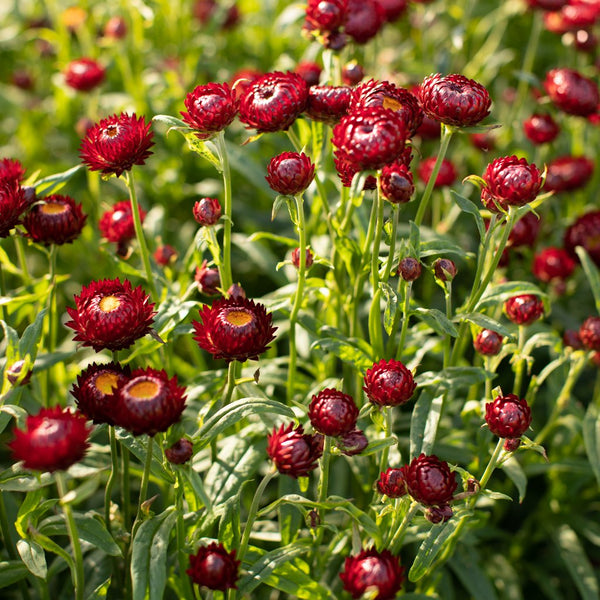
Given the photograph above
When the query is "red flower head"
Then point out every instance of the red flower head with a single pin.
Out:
(541, 128)
(585, 232)
(296, 258)
(372, 571)
(116, 225)
(508, 416)
(392, 484)
(409, 268)
(352, 443)
(444, 269)
(573, 16)
(13, 203)
(94, 390)
(567, 173)
(589, 332)
(547, 4)
(165, 255)
(274, 101)
(352, 73)
(332, 412)
(290, 173)
(115, 28)
(207, 211)
(446, 175)
(397, 183)
(208, 280)
(370, 137)
(429, 480)
(213, 567)
(294, 452)
(11, 169)
(393, 9)
(524, 309)
(347, 170)
(553, 263)
(389, 383)
(488, 342)
(55, 219)
(110, 314)
(84, 74)
(117, 143)
(572, 339)
(525, 231)
(326, 16)
(310, 72)
(454, 100)
(234, 329)
(180, 452)
(571, 92)
(210, 109)
(364, 20)
(148, 402)
(53, 440)
(510, 181)
(388, 95)
(328, 103)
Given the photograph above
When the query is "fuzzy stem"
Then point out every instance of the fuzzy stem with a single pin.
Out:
(396, 541)
(114, 470)
(25, 276)
(405, 318)
(225, 274)
(519, 367)
(493, 462)
(143, 486)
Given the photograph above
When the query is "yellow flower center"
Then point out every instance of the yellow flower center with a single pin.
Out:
(107, 382)
(111, 131)
(48, 427)
(144, 390)
(391, 103)
(239, 318)
(109, 303)
(54, 208)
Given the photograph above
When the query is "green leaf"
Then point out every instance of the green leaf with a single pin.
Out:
(496, 294)
(346, 350)
(138, 449)
(279, 239)
(34, 558)
(31, 336)
(53, 183)
(229, 524)
(11, 572)
(484, 321)
(279, 201)
(591, 272)
(53, 547)
(362, 518)
(591, 438)
(424, 421)
(472, 576)
(195, 482)
(437, 320)
(17, 413)
(158, 556)
(516, 474)
(289, 517)
(578, 564)
(391, 303)
(203, 149)
(469, 207)
(442, 247)
(172, 122)
(379, 445)
(452, 377)
(415, 240)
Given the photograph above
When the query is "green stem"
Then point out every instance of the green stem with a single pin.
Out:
(182, 556)
(25, 276)
(125, 486)
(405, 317)
(447, 338)
(520, 365)
(139, 234)
(114, 470)
(490, 467)
(230, 386)
(375, 325)
(77, 575)
(388, 432)
(226, 277)
(390, 261)
(143, 486)
(396, 541)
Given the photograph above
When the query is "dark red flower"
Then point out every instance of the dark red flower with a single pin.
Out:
(553, 263)
(116, 143)
(524, 309)
(207, 211)
(347, 170)
(488, 342)
(391, 483)
(397, 183)
(571, 17)
(22, 79)
(364, 20)
(111, 315)
(372, 571)
(585, 232)
(438, 514)
(234, 329)
(213, 567)
(389, 383)
(53, 440)
(508, 416)
(207, 280)
(571, 92)
(296, 258)
(446, 175)
(589, 332)
(326, 15)
(116, 224)
(352, 443)
(273, 101)
(332, 412)
(429, 480)
(444, 269)
(55, 219)
(352, 73)
(409, 268)
(572, 339)
(393, 9)
(525, 231)
(210, 109)
(84, 74)
(236, 292)
(165, 255)
(310, 72)
(294, 452)
(11, 169)
(290, 173)
(387, 95)
(13, 203)
(328, 103)
(454, 100)
(94, 390)
(547, 4)
(180, 452)
(115, 28)
(541, 128)
(568, 173)
(370, 137)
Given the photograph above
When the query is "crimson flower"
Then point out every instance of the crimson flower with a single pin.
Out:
(310, 72)
(55, 219)
(84, 74)
(541, 128)
(12, 169)
(396, 183)
(180, 452)
(207, 211)
(165, 255)
(524, 309)
(391, 483)
(13, 203)
(389, 383)
(571, 92)
(508, 416)
(290, 173)
(364, 20)
(116, 225)
(52, 440)
(553, 263)
(116, 143)
(207, 280)
(568, 172)
(328, 103)
(409, 268)
(446, 175)
(294, 452)
(429, 480)
(326, 16)
(585, 232)
(488, 342)
(332, 412)
(213, 567)
(589, 333)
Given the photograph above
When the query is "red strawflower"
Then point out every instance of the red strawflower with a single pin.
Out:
(11, 169)
(393, 9)
(392, 484)
(397, 183)
(84, 74)
(389, 383)
(148, 402)
(524, 309)
(568, 173)
(111, 315)
(55, 219)
(572, 339)
(444, 269)
(213, 567)
(165, 255)
(115, 28)
(332, 412)
(210, 109)
(488, 342)
(571, 17)
(589, 332)
(328, 103)
(429, 480)
(510, 181)
(22, 79)
(207, 211)
(207, 280)
(326, 15)
(347, 170)
(116, 225)
(53, 440)
(547, 4)
(310, 72)
(370, 137)
(296, 258)
(585, 41)
(274, 101)
(446, 175)
(352, 73)
(294, 452)
(243, 79)
(364, 20)
(234, 329)
(525, 231)
(409, 268)
(508, 416)
(387, 95)
(94, 390)
(236, 292)
(372, 571)
(290, 173)
(541, 128)
(553, 263)
(584, 232)
(180, 452)
(13, 203)
(454, 100)
(116, 143)
(352, 443)
(571, 92)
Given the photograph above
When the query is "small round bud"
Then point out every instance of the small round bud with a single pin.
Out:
(180, 452)
(488, 342)
(207, 211)
(444, 269)
(208, 280)
(439, 514)
(409, 268)
(353, 442)
(296, 258)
